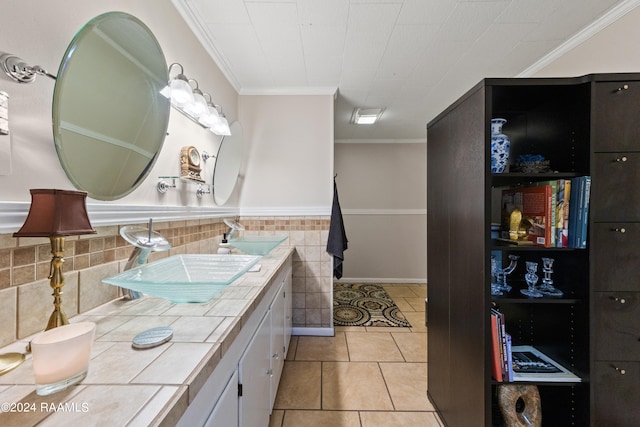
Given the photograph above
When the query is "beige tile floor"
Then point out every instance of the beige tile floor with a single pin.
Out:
(362, 376)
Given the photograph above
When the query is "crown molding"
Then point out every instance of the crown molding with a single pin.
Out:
(200, 33)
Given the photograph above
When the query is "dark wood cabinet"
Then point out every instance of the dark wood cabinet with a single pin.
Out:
(617, 394)
(586, 125)
(615, 385)
(615, 177)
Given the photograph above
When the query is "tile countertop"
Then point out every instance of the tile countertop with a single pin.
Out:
(132, 387)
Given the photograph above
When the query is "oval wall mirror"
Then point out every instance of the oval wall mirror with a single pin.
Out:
(109, 119)
(228, 161)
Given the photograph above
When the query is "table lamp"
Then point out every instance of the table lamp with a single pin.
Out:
(56, 214)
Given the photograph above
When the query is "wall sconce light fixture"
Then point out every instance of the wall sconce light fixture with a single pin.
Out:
(192, 103)
(19, 71)
(56, 214)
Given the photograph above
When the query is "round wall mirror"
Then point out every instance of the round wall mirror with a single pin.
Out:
(109, 119)
(228, 160)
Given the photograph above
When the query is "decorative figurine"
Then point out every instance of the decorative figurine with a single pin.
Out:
(499, 285)
(531, 278)
(547, 287)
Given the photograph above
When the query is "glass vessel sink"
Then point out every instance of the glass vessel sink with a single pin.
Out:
(257, 245)
(185, 278)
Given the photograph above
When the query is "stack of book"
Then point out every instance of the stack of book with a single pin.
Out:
(556, 212)
(521, 363)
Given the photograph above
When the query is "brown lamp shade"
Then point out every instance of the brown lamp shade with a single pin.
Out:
(56, 213)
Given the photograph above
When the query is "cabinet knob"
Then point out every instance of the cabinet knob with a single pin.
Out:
(619, 300)
(619, 370)
(623, 87)
(620, 230)
(269, 372)
(622, 159)
(276, 356)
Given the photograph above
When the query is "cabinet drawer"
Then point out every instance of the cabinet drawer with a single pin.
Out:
(615, 258)
(616, 395)
(617, 116)
(616, 320)
(614, 187)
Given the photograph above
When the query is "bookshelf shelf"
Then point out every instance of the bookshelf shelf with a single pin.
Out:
(526, 300)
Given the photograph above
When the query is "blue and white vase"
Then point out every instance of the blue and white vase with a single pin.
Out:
(500, 145)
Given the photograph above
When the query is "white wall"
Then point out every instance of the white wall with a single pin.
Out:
(615, 49)
(289, 144)
(39, 33)
(382, 189)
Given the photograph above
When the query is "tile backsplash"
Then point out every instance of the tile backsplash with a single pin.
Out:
(25, 293)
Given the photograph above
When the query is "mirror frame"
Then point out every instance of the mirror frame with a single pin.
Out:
(107, 90)
(226, 170)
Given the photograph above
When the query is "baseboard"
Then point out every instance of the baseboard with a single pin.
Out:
(379, 280)
(317, 332)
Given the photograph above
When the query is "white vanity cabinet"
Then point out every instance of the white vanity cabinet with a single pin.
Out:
(255, 377)
(278, 346)
(225, 413)
(262, 363)
(242, 388)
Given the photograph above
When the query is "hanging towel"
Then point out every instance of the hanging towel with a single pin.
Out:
(337, 242)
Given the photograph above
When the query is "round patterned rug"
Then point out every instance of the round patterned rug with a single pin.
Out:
(358, 304)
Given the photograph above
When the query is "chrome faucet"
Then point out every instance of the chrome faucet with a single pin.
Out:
(144, 241)
(234, 226)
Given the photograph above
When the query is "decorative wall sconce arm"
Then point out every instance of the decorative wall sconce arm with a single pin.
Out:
(19, 71)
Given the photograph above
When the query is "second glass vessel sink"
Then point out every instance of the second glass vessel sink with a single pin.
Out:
(257, 245)
(185, 278)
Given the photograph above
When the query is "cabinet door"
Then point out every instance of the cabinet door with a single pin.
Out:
(255, 377)
(288, 313)
(616, 121)
(615, 177)
(277, 342)
(616, 394)
(615, 256)
(617, 326)
(225, 413)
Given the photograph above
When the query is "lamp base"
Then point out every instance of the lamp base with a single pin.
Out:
(57, 318)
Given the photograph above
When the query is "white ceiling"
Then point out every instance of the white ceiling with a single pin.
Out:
(413, 57)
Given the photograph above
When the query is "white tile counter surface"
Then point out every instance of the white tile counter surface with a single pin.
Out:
(147, 387)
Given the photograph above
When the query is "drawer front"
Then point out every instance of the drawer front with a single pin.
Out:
(615, 187)
(616, 394)
(617, 116)
(615, 258)
(616, 320)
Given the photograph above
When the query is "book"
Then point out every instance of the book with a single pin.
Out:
(562, 239)
(509, 359)
(530, 364)
(574, 203)
(535, 203)
(496, 365)
(579, 211)
(503, 342)
(553, 208)
(584, 223)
